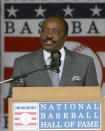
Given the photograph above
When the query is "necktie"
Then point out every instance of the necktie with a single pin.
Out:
(54, 76)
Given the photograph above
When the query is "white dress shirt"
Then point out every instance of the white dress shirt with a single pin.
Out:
(48, 54)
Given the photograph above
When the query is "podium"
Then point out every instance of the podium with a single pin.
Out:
(56, 108)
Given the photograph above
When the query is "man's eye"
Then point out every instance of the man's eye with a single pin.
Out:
(56, 32)
(44, 31)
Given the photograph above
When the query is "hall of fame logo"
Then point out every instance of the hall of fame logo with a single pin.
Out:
(56, 116)
(80, 48)
(25, 115)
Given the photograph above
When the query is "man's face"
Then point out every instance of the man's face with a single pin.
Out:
(52, 34)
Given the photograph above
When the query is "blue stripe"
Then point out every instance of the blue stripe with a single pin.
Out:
(81, 10)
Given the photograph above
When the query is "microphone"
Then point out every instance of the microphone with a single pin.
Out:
(55, 60)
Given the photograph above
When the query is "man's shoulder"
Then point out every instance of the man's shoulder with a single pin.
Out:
(77, 55)
(29, 56)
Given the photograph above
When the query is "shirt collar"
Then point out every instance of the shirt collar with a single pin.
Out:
(47, 54)
(62, 54)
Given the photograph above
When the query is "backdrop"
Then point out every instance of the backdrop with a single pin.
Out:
(20, 30)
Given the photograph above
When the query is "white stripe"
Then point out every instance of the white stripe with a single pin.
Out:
(77, 27)
(10, 57)
(102, 57)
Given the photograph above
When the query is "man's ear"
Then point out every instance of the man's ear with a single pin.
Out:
(65, 38)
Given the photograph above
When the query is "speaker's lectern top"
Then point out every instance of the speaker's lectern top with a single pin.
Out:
(45, 92)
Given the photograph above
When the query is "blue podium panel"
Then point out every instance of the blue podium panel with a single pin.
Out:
(56, 116)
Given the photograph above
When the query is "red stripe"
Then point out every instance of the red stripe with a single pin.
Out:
(34, 118)
(95, 43)
(7, 72)
(32, 124)
(18, 124)
(17, 118)
(32, 113)
(28, 44)
(103, 74)
(5, 106)
(22, 44)
(18, 113)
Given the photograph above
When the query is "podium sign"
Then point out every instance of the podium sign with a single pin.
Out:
(57, 116)
(56, 109)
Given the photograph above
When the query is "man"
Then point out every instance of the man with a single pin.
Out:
(75, 69)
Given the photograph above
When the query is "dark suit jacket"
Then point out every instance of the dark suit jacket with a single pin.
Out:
(75, 65)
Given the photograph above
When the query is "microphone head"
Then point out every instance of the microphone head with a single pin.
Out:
(55, 54)
(56, 62)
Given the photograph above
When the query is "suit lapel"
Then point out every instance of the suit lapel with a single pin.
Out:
(39, 63)
(67, 70)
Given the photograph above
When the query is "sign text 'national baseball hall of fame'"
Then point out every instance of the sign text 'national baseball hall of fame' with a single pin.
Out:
(57, 116)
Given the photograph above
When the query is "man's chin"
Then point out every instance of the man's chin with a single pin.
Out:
(50, 49)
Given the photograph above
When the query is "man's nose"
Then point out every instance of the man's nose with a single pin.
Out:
(49, 34)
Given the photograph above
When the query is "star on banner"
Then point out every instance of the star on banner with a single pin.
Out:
(96, 11)
(12, 11)
(68, 11)
(40, 11)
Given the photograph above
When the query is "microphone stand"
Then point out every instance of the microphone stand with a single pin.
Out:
(49, 67)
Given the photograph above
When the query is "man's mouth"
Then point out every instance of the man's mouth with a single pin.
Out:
(49, 41)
